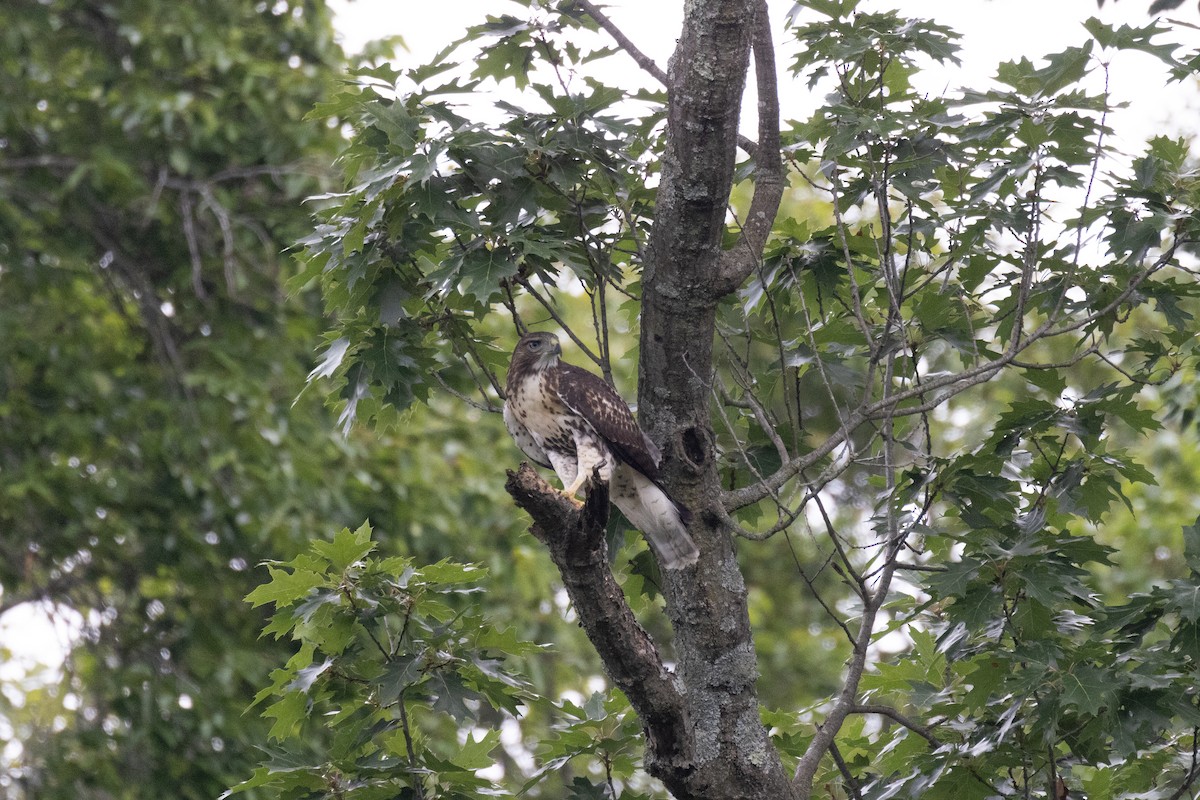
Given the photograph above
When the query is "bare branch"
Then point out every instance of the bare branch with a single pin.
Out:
(739, 261)
(764, 424)
(510, 303)
(837, 620)
(227, 251)
(894, 715)
(644, 61)
(155, 196)
(188, 215)
(823, 741)
(493, 381)
(851, 782)
(437, 376)
(806, 769)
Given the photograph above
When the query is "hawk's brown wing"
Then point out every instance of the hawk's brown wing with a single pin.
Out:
(637, 488)
(592, 398)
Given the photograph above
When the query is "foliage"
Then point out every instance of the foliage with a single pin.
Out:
(152, 168)
(444, 218)
(382, 643)
(952, 407)
(411, 682)
(982, 255)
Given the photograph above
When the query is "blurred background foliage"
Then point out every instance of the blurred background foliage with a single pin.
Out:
(156, 444)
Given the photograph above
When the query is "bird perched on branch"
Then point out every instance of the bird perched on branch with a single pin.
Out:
(572, 421)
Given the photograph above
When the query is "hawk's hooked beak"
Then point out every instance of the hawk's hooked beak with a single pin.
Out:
(557, 348)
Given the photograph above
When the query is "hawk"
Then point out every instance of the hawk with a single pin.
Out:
(572, 421)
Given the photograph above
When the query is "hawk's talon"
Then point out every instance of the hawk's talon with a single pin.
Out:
(575, 501)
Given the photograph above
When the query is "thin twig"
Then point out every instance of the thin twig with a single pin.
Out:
(187, 215)
(1193, 771)
(852, 786)
(644, 61)
(437, 376)
(809, 582)
(417, 786)
(887, 711)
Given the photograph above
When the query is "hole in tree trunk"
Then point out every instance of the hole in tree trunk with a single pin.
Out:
(694, 446)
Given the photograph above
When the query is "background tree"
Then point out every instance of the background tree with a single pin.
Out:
(935, 369)
(150, 171)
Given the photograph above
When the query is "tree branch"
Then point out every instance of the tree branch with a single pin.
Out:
(894, 715)
(575, 539)
(739, 262)
(806, 769)
(939, 389)
(644, 61)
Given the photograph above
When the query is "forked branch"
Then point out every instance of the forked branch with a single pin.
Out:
(739, 262)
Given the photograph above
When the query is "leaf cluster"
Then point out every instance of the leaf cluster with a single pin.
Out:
(389, 657)
(443, 218)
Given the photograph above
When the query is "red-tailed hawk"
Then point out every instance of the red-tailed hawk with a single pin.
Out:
(572, 421)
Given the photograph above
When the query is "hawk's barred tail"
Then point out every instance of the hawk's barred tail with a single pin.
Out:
(674, 547)
(663, 521)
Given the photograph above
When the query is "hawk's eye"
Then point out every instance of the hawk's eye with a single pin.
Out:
(535, 344)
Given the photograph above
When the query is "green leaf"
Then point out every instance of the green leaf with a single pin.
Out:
(475, 755)
(954, 579)
(1063, 70)
(507, 641)
(1087, 689)
(1185, 597)
(511, 58)
(401, 673)
(449, 573)
(1191, 546)
(346, 547)
(307, 676)
(288, 713)
(1127, 37)
(285, 587)
(450, 696)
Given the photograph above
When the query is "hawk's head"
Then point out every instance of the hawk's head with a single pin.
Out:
(535, 352)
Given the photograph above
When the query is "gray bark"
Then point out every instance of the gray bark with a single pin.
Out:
(687, 275)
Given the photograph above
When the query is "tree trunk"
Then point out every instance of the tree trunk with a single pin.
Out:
(705, 738)
(682, 284)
